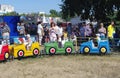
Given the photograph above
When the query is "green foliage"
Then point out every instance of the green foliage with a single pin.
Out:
(113, 16)
(100, 9)
(23, 14)
(11, 14)
(118, 15)
(54, 13)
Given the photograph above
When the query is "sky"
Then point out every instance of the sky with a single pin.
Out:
(28, 6)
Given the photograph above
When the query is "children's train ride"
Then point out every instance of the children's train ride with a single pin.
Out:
(23, 47)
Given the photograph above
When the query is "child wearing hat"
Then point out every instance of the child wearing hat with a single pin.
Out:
(29, 41)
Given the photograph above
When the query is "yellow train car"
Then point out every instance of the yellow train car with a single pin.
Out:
(20, 50)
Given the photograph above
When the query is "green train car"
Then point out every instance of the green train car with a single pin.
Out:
(53, 48)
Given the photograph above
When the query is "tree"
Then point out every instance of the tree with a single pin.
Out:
(100, 9)
(11, 14)
(118, 15)
(54, 13)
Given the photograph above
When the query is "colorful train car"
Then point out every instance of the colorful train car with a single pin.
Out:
(99, 47)
(19, 50)
(53, 48)
(4, 51)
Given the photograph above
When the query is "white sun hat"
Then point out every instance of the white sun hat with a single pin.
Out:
(28, 35)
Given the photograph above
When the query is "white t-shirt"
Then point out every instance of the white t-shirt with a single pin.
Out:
(39, 29)
(60, 32)
(56, 29)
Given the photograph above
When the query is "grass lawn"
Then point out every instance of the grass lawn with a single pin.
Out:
(61, 66)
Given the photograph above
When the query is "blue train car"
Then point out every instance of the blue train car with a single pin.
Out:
(90, 47)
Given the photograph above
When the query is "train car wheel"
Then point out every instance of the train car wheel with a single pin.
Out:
(36, 52)
(68, 50)
(6, 56)
(103, 50)
(52, 50)
(86, 50)
(20, 54)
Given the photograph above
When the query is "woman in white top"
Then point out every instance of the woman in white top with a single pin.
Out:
(40, 32)
(52, 32)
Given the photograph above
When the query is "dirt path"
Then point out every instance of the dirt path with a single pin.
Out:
(60, 66)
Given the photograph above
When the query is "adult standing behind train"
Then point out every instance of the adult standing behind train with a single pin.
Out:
(52, 32)
(56, 29)
(5, 32)
(111, 30)
(33, 29)
(21, 29)
(88, 30)
(46, 34)
(60, 34)
(102, 30)
(82, 32)
(60, 31)
(69, 29)
(40, 32)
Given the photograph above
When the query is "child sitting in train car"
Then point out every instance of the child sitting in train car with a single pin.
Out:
(73, 38)
(65, 35)
(64, 38)
(28, 41)
(96, 39)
